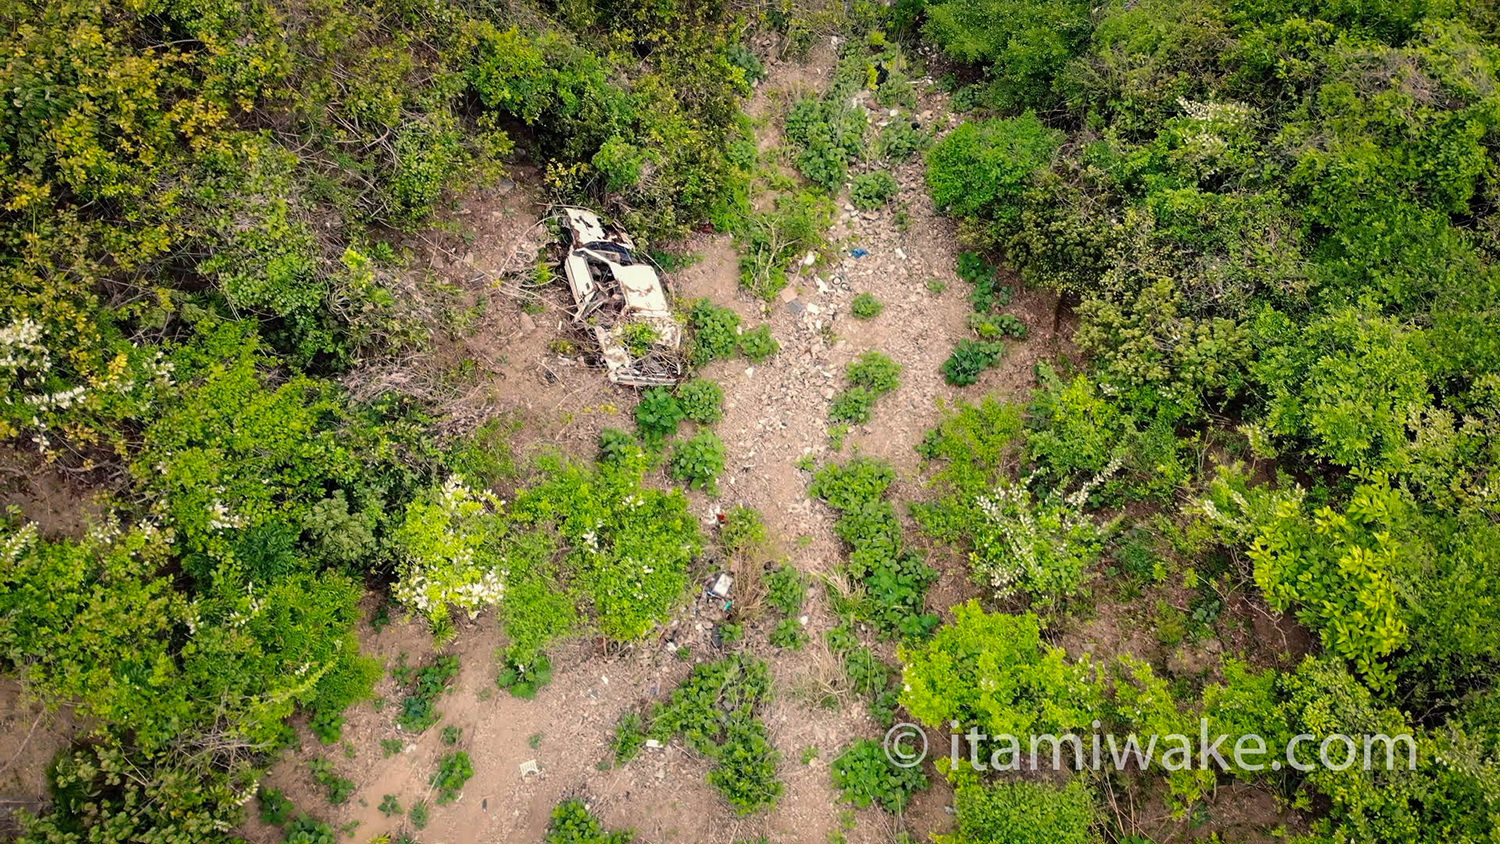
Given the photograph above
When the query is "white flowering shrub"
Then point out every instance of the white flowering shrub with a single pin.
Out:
(1039, 546)
(448, 545)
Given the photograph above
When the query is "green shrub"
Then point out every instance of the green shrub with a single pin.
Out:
(829, 135)
(713, 332)
(875, 372)
(573, 823)
(968, 360)
(701, 400)
(658, 414)
(523, 672)
(984, 169)
(424, 686)
(617, 446)
(629, 738)
(1042, 692)
(390, 805)
(338, 788)
(758, 344)
(994, 327)
(865, 774)
(1024, 813)
(869, 191)
(772, 239)
(716, 710)
(901, 140)
(699, 461)
(454, 769)
(866, 306)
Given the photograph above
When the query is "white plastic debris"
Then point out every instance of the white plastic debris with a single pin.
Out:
(722, 584)
(529, 767)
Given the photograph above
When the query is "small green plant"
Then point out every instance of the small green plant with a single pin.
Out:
(453, 771)
(713, 332)
(523, 672)
(701, 400)
(759, 344)
(275, 808)
(617, 446)
(786, 590)
(534, 741)
(390, 806)
(869, 191)
(657, 414)
(451, 735)
(573, 823)
(639, 337)
(865, 774)
(809, 753)
(419, 814)
(716, 711)
(866, 306)
(992, 327)
(788, 633)
(875, 372)
(425, 686)
(871, 376)
(630, 737)
(390, 747)
(699, 461)
(969, 359)
(338, 788)
(901, 140)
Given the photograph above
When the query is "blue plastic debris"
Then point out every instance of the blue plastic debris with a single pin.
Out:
(858, 253)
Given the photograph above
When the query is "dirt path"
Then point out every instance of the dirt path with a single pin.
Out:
(776, 413)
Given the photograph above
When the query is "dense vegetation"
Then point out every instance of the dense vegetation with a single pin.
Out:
(199, 234)
(1277, 224)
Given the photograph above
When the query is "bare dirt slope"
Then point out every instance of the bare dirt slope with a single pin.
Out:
(776, 414)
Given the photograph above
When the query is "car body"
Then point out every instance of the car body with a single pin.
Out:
(622, 303)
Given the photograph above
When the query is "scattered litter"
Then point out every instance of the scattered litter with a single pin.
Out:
(529, 767)
(671, 647)
(722, 585)
(900, 254)
(810, 259)
(653, 744)
(858, 253)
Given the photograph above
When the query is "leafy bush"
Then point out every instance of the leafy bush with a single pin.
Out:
(573, 823)
(829, 134)
(1042, 546)
(992, 327)
(873, 190)
(424, 686)
(657, 414)
(454, 769)
(758, 344)
(1041, 692)
(894, 580)
(901, 140)
(338, 788)
(713, 332)
(875, 372)
(772, 239)
(701, 400)
(448, 549)
(866, 306)
(716, 710)
(983, 170)
(970, 358)
(1024, 813)
(865, 774)
(699, 461)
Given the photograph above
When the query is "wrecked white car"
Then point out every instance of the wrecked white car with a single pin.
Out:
(622, 303)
